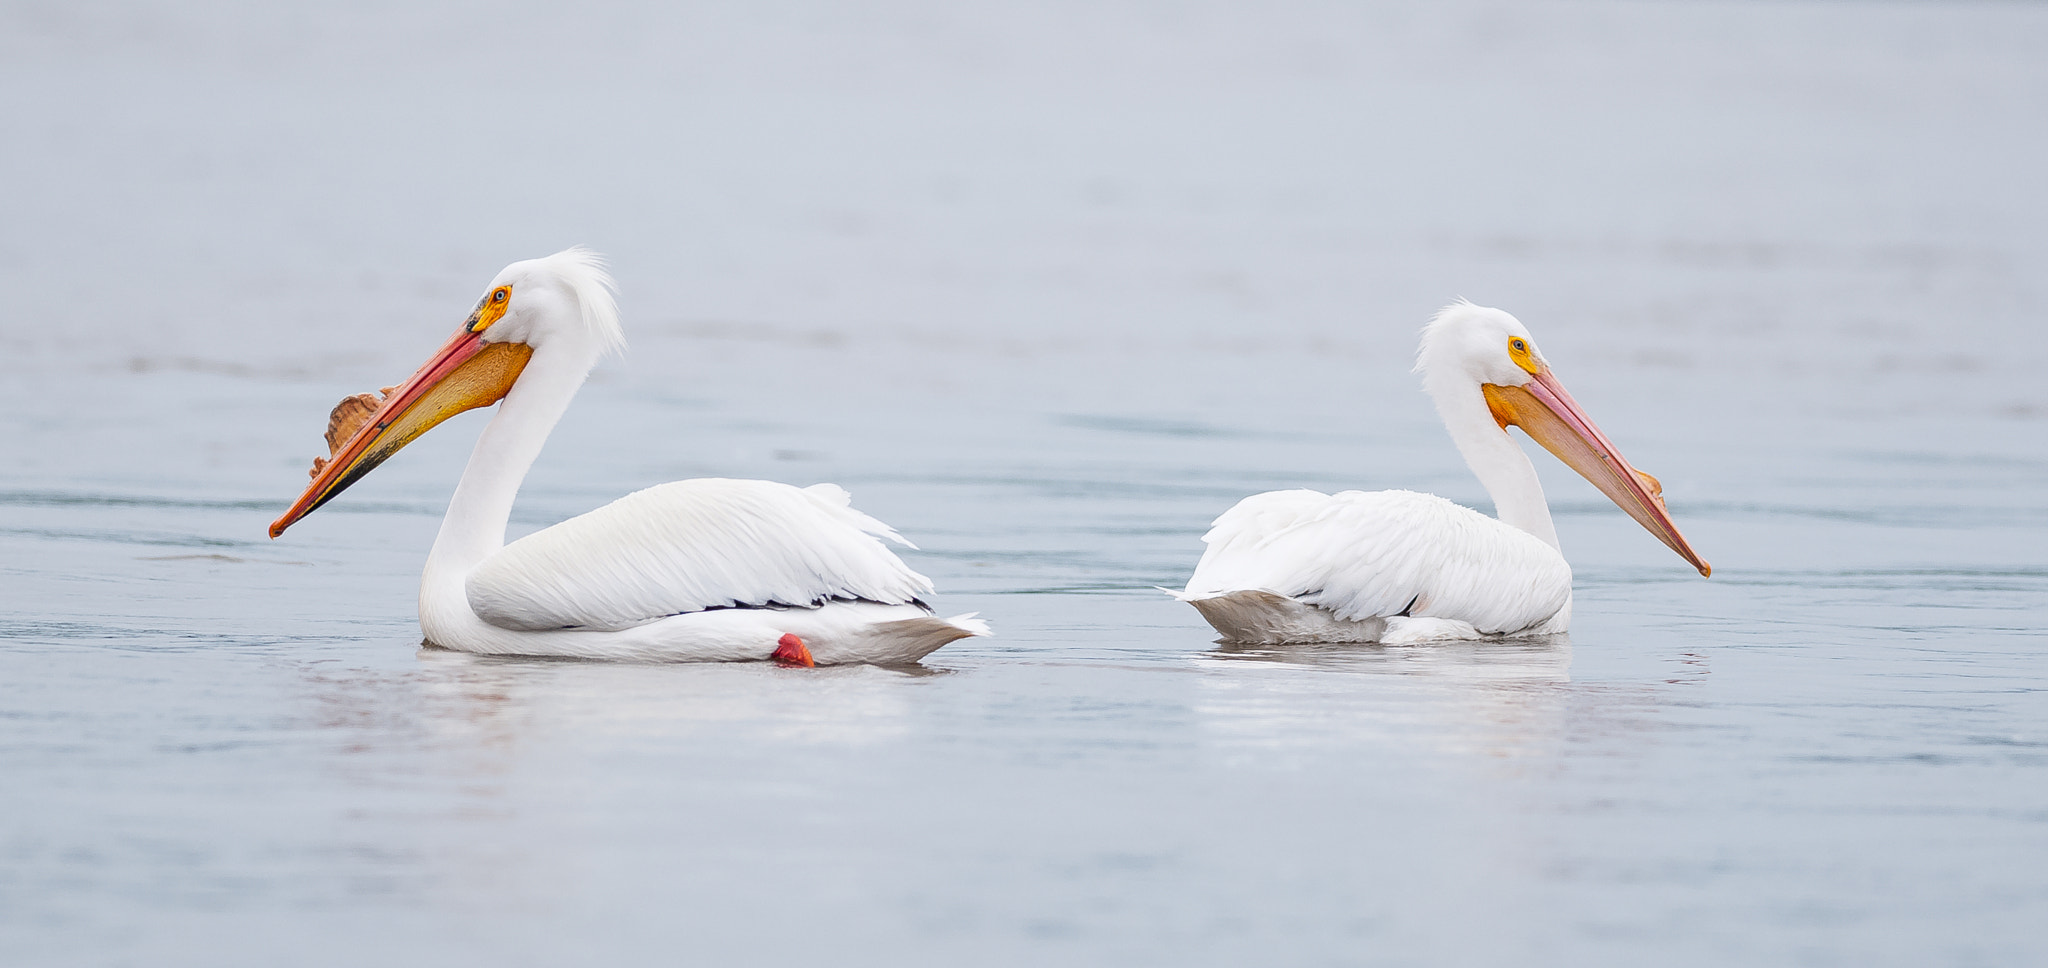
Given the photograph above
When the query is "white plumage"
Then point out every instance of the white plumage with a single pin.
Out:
(1373, 555)
(1398, 566)
(709, 569)
(693, 545)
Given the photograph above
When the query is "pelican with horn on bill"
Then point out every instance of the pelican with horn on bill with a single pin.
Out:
(708, 569)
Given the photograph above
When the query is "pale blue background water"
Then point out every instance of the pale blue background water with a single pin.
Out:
(1047, 287)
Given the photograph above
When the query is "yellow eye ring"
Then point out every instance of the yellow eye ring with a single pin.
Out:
(489, 310)
(1518, 351)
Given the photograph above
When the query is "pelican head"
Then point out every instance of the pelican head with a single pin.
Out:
(563, 298)
(561, 304)
(1472, 350)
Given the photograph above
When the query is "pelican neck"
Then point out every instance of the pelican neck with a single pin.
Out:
(481, 506)
(1501, 465)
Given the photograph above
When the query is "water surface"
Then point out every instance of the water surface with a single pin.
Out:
(1046, 287)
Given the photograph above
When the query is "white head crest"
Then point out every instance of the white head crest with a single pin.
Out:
(570, 291)
(1466, 345)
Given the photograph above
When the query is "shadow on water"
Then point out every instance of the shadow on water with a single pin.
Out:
(1511, 699)
(454, 699)
(453, 758)
(1545, 658)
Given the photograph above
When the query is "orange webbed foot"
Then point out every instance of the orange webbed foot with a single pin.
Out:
(791, 651)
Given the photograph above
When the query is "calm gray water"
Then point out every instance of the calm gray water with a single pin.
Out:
(1047, 287)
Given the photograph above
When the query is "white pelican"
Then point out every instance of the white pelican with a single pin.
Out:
(1398, 566)
(701, 569)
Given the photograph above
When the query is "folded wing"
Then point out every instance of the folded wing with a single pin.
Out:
(1374, 554)
(691, 546)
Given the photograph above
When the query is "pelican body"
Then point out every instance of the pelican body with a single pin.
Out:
(1399, 566)
(692, 570)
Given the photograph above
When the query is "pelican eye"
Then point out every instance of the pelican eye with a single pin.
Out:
(489, 310)
(1518, 351)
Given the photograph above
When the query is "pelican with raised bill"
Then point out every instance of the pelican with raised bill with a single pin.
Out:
(1398, 566)
(714, 569)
